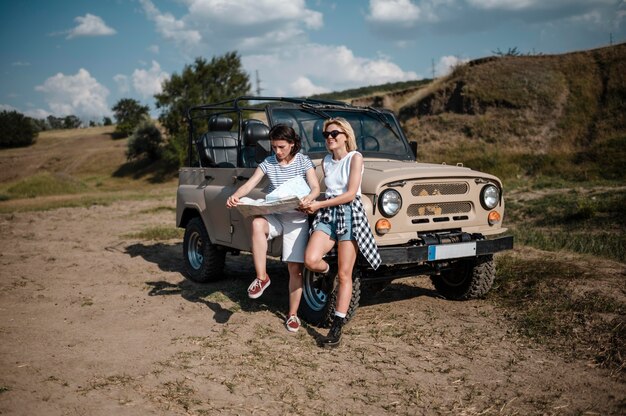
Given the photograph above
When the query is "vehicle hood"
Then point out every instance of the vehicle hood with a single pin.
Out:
(379, 172)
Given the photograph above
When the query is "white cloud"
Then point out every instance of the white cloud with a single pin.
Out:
(80, 95)
(242, 25)
(402, 14)
(405, 20)
(310, 68)
(147, 83)
(123, 85)
(393, 11)
(305, 87)
(154, 49)
(20, 63)
(272, 37)
(169, 27)
(255, 12)
(447, 63)
(90, 25)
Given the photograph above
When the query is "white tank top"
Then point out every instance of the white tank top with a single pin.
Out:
(337, 174)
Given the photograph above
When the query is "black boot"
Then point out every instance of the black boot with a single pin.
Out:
(333, 339)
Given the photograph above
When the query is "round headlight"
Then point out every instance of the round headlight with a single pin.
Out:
(489, 196)
(390, 202)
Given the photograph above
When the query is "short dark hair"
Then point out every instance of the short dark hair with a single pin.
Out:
(287, 133)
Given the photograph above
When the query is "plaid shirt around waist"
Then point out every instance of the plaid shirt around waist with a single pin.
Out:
(360, 228)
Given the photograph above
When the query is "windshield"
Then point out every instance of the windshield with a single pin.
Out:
(377, 134)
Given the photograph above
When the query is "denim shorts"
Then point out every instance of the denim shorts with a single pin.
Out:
(330, 228)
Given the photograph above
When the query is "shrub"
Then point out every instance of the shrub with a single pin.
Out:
(129, 113)
(16, 130)
(145, 142)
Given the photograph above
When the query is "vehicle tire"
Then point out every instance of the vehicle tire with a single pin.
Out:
(469, 279)
(204, 262)
(319, 298)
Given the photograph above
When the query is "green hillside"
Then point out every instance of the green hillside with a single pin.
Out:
(526, 117)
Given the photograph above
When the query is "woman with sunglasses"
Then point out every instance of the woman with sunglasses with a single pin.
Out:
(340, 219)
(286, 163)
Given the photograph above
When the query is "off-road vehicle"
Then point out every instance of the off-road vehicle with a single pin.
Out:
(428, 219)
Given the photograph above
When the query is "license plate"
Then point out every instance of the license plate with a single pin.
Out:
(452, 251)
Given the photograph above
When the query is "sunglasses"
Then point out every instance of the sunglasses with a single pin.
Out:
(332, 134)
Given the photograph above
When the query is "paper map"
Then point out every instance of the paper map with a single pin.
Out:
(282, 199)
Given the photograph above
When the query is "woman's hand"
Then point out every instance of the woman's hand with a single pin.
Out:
(305, 203)
(232, 201)
(312, 207)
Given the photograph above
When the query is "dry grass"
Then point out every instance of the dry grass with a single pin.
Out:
(158, 233)
(70, 168)
(549, 302)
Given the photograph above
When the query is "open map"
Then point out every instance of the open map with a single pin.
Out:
(282, 199)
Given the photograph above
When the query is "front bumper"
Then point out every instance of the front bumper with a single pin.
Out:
(435, 252)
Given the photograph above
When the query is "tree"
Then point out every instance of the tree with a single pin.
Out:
(39, 124)
(129, 113)
(202, 82)
(106, 121)
(55, 122)
(16, 130)
(71, 122)
(145, 142)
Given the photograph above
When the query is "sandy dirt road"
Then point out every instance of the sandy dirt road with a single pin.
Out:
(97, 322)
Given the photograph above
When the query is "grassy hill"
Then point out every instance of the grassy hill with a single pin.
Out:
(77, 167)
(524, 117)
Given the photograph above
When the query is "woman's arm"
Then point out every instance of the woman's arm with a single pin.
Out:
(356, 168)
(314, 184)
(245, 189)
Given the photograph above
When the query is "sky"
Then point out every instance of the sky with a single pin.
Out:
(81, 57)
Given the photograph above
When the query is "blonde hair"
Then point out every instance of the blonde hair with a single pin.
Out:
(347, 129)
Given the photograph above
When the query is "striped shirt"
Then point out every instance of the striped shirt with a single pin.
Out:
(279, 174)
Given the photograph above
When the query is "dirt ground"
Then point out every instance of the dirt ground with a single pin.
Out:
(97, 322)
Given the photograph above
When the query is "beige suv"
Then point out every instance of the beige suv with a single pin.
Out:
(438, 220)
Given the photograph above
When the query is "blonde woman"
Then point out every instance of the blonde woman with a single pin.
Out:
(340, 219)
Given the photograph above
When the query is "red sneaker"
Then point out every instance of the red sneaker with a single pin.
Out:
(257, 287)
(292, 323)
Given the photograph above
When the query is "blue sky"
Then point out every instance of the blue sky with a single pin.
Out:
(81, 56)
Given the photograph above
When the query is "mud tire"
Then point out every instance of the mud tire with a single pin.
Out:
(468, 279)
(204, 262)
(319, 298)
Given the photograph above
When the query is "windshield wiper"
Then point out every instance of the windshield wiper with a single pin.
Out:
(378, 115)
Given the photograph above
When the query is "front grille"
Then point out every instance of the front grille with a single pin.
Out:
(443, 208)
(428, 189)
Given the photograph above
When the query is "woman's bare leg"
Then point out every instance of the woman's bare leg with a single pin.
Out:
(260, 231)
(346, 252)
(295, 287)
(320, 243)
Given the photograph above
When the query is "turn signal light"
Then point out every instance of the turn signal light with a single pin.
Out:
(494, 217)
(383, 226)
